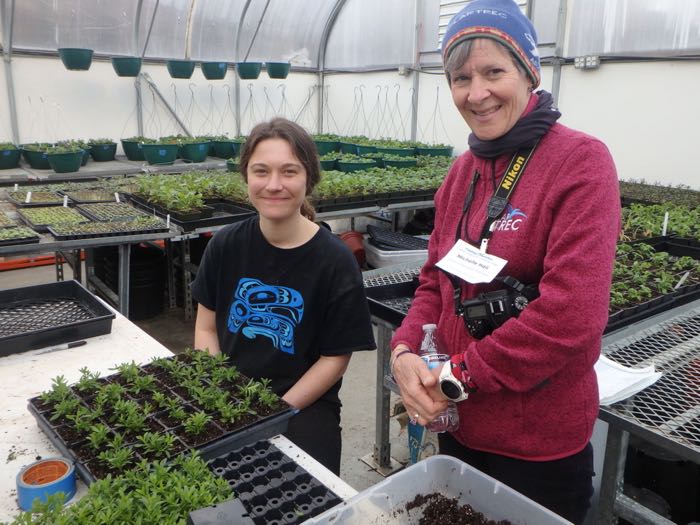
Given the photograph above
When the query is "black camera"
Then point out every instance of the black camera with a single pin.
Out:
(489, 310)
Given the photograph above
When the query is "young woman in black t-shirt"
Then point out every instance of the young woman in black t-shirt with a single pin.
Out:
(282, 297)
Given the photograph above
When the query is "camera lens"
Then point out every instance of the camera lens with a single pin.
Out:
(450, 390)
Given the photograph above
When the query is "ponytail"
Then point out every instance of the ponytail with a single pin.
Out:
(307, 210)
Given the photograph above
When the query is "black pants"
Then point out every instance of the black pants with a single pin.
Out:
(563, 485)
(316, 430)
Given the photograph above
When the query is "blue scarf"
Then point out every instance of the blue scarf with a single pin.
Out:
(526, 132)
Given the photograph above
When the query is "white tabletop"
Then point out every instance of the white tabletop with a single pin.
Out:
(25, 375)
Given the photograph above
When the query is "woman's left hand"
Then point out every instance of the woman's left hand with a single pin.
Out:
(419, 390)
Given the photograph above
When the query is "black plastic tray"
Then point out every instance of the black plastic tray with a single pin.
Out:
(43, 228)
(83, 316)
(269, 487)
(223, 213)
(386, 302)
(177, 217)
(22, 204)
(20, 240)
(134, 212)
(70, 237)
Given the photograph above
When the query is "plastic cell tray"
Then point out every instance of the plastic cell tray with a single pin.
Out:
(386, 501)
(391, 302)
(50, 314)
(270, 489)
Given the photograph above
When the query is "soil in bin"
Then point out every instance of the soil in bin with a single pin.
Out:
(440, 510)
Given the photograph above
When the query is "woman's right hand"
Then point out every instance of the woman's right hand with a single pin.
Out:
(418, 386)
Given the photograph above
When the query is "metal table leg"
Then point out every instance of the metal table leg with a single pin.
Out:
(170, 262)
(381, 459)
(124, 263)
(186, 280)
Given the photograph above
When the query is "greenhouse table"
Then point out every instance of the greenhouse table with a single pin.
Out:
(27, 374)
(69, 251)
(666, 414)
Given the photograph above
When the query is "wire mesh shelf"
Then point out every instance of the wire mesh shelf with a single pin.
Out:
(670, 407)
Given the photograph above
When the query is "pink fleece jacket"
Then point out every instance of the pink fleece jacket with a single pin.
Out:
(538, 394)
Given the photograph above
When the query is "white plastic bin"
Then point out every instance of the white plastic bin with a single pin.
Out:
(385, 502)
(378, 258)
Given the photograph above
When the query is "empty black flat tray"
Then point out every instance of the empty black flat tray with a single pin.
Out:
(390, 302)
(49, 314)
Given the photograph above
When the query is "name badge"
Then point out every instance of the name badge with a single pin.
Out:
(468, 263)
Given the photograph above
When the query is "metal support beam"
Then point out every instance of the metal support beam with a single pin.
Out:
(237, 81)
(559, 51)
(7, 14)
(257, 28)
(155, 89)
(416, 75)
(150, 29)
(321, 61)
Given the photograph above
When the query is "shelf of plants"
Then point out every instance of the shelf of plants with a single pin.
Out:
(10, 236)
(89, 230)
(270, 487)
(192, 401)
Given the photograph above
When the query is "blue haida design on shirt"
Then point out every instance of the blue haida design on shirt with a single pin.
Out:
(270, 311)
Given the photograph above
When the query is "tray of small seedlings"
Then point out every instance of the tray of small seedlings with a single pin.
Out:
(192, 401)
(28, 198)
(6, 222)
(138, 226)
(651, 278)
(40, 218)
(17, 235)
(110, 211)
(85, 196)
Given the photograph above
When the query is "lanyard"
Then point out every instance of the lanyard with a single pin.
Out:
(496, 206)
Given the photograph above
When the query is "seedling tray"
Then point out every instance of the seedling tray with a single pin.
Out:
(6, 222)
(105, 229)
(387, 501)
(89, 196)
(177, 217)
(22, 235)
(223, 213)
(391, 302)
(110, 211)
(49, 314)
(269, 488)
(217, 439)
(39, 198)
(44, 227)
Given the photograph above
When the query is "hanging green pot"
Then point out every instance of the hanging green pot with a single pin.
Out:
(403, 163)
(434, 152)
(195, 151)
(224, 149)
(132, 150)
(248, 70)
(163, 154)
(36, 159)
(401, 152)
(9, 158)
(214, 70)
(126, 66)
(181, 68)
(232, 165)
(103, 152)
(76, 58)
(278, 69)
(65, 162)
(327, 165)
(326, 146)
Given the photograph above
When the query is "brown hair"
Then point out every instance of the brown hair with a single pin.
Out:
(302, 146)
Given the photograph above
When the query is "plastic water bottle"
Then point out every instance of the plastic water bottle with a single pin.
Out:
(448, 420)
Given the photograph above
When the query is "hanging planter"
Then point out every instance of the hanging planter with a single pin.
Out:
(35, 155)
(278, 69)
(9, 156)
(181, 68)
(249, 70)
(103, 151)
(132, 148)
(76, 58)
(126, 66)
(194, 151)
(214, 70)
(65, 160)
(160, 154)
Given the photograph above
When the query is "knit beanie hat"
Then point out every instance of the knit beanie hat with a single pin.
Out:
(501, 20)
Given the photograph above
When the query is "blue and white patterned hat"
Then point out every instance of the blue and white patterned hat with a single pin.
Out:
(501, 20)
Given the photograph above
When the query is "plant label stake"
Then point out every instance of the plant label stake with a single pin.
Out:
(663, 230)
(116, 196)
(28, 199)
(65, 201)
(16, 186)
(682, 280)
(167, 221)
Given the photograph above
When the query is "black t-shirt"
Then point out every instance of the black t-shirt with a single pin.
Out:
(278, 310)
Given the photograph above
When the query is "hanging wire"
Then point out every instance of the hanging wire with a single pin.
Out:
(375, 115)
(251, 108)
(397, 110)
(154, 121)
(433, 121)
(209, 117)
(220, 130)
(329, 115)
(354, 112)
(285, 109)
(305, 107)
(268, 104)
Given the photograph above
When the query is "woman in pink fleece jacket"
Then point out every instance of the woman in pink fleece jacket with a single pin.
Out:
(532, 391)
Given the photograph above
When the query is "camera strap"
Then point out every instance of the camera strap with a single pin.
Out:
(496, 206)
